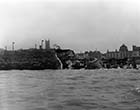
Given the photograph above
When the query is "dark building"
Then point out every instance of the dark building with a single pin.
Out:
(89, 55)
(136, 51)
(135, 48)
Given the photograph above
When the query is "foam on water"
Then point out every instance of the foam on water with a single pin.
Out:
(70, 90)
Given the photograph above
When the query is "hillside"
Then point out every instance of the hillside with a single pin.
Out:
(33, 59)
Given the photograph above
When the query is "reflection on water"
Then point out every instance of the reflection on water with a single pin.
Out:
(70, 90)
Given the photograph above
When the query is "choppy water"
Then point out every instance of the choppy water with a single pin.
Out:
(70, 90)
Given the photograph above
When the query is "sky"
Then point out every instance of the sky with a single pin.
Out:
(80, 25)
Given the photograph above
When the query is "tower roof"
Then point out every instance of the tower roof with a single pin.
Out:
(123, 47)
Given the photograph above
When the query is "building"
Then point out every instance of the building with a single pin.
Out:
(123, 48)
(89, 55)
(135, 48)
(121, 54)
(136, 51)
(94, 54)
(81, 56)
(47, 44)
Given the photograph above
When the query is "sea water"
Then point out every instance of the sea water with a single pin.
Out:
(115, 89)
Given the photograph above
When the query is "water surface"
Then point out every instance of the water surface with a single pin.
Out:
(70, 90)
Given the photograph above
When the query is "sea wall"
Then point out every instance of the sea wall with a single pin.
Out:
(32, 59)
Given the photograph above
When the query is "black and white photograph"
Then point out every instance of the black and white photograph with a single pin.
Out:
(69, 54)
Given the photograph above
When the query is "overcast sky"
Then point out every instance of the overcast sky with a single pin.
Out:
(77, 24)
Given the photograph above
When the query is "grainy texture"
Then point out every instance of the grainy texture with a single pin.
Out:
(70, 90)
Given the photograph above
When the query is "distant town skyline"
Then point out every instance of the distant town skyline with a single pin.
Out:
(81, 25)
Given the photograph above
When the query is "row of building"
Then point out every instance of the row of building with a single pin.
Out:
(123, 52)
